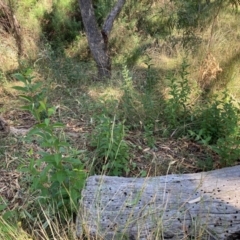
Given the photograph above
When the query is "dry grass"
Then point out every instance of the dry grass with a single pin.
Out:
(9, 232)
(105, 94)
(8, 53)
(209, 72)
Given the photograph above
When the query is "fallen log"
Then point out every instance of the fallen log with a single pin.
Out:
(189, 206)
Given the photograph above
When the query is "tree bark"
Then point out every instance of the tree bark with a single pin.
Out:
(189, 206)
(98, 39)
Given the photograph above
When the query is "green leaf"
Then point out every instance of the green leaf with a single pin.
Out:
(3, 206)
(37, 132)
(29, 72)
(36, 86)
(72, 160)
(60, 176)
(52, 159)
(51, 111)
(19, 77)
(27, 107)
(75, 195)
(19, 88)
(143, 173)
(63, 144)
(57, 125)
(57, 158)
(9, 214)
(43, 105)
(27, 98)
(47, 121)
(41, 126)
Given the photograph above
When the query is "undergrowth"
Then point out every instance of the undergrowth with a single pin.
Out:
(56, 176)
(155, 100)
(212, 122)
(176, 111)
(218, 126)
(111, 148)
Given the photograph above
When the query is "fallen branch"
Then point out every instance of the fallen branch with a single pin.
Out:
(188, 206)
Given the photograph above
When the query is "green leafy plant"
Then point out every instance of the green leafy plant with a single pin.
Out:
(151, 76)
(176, 110)
(149, 135)
(228, 149)
(141, 108)
(102, 8)
(61, 25)
(129, 98)
(217, 126)
(111, 148)
(190, 16)
(218, 119)
(34, 94)
(200, 137)
(57, 174)
(127, 84)
(151, 102)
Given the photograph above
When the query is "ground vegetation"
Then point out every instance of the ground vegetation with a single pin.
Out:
(170, 106)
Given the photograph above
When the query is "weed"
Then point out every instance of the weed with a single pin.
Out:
(150, 98)
(176, 110)
(129, 96)
(36, 99)
(149, 135)
(111, 148)
(206, 164)
(218, 119)
(151, 77)
(57, 174)
(140, 108)
(128, 83)
(61, 25)
(200, 137)
(228, 149)
(218, 127)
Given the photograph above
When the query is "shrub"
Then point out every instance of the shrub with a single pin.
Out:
(56, 174)
(176, 112)
(129, 101)
(216, 125)
(62, 24)
(217, 119)
(140, 108)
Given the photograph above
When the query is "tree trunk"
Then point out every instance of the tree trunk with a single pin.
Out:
(189, 206)
(10, 23)
(98, 40)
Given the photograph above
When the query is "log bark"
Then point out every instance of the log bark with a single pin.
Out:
(98, 39)
(190, 206)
